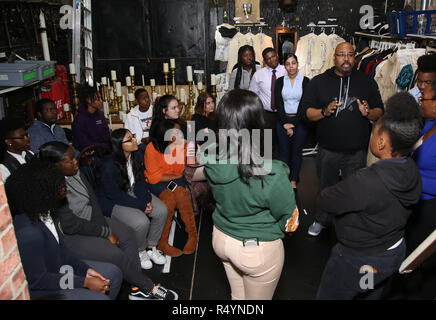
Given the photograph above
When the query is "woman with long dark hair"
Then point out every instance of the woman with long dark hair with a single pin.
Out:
(14, 146)
(255, 200)
(205, 122)
(124, 195)
(44, 256)
(164, 166)
(291, 129)
(244, 70)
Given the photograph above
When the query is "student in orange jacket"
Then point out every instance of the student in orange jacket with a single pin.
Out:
(164, 167)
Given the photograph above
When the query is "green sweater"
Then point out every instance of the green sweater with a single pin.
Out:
(251, 211)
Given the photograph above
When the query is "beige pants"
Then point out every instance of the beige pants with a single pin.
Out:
(253, 272)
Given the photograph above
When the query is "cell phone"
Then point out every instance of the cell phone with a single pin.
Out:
(250, 242)
(172, 186)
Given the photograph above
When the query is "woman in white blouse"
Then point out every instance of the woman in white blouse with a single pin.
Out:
(244, 70)
(291, 130)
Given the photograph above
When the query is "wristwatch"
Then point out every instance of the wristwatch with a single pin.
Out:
(322, 112)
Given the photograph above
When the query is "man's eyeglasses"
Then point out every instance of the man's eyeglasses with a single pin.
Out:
(343, 55)
(130, 139)
(19, 138)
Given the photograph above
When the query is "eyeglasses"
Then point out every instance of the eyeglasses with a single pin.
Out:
(19, 138)
(343, 55)
(431, 99)
(130, 139)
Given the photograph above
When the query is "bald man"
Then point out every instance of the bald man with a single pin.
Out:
(342, 102)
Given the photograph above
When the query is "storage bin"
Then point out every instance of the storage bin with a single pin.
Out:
(18, 75)
(46, 69)
(403, 22)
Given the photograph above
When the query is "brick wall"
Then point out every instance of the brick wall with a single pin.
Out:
(13, 284)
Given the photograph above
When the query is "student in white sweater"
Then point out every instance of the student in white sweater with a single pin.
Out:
(138, 120)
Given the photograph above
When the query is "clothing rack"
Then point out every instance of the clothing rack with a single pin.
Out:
(323, 27)
(259, 27)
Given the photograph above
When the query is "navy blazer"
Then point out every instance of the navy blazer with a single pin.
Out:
(42, 257)
(109, 192)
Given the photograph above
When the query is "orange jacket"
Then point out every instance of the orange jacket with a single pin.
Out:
(157, 164)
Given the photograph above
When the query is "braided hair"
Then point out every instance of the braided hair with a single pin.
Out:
(240, 65)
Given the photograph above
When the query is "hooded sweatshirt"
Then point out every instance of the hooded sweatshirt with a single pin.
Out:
(371, 207)
(251, 211)
(90, 129)
(346, 130)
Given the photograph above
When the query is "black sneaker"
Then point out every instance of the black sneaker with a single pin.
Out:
(158, 293)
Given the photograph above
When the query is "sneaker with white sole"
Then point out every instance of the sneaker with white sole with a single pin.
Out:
(315, 229)
(158, 293)
(156, 256)
(145, 260)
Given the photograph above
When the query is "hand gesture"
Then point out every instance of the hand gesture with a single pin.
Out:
(331, 108)
(363, 107)
(113, 238)
(289, 129)
(149, 208)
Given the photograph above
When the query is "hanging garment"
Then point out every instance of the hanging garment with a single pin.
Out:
(222, 43)
(260, 42)
(405, 77)
(237, 41)
(332, 41)
(303, 53)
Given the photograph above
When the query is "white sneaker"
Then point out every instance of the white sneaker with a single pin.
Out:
(156, 256)
(145, 260)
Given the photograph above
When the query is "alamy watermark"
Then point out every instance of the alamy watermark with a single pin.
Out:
(229, 146)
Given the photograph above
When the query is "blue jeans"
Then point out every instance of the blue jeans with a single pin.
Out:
(342, 278)
(291, 148)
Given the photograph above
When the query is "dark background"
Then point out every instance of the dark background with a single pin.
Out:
(146, 33)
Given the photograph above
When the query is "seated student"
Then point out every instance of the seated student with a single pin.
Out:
(44, 128)
(87, 233)
(371, 207)
(43, 253)
(124, 195)
(426, 74)
(167, 107)
(14, 146)
(89, 127)
(138, 120)
(164, 166)
(204, 121)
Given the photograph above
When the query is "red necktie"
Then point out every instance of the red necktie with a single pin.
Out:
(273, 84)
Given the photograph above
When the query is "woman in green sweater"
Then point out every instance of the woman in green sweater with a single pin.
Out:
(255, 203)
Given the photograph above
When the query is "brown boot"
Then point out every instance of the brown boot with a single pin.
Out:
(187, 214)
(168, 198)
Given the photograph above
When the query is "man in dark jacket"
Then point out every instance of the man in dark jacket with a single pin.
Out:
(371, 208)
(44, 128)
(342, 102)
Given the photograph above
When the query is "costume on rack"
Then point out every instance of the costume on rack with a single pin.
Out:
(315, 53)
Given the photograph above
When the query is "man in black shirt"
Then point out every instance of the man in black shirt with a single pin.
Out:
(343, 102)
